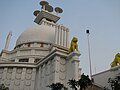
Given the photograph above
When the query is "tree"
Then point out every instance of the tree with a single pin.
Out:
(73, 84)
(115, 82)
(81, 84)
(2, 87)
(84, 82)
(57, 86)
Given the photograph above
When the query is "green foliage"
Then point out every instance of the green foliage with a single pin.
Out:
(2, 87)
(73, 84)
(84, 82)
(57, 86)
(81, 84)
(115, 83)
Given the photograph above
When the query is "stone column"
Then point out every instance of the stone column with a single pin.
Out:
(22, 79)
(33, 79)
(67, 38)
(56, 34)
(4, 75)
(43, 77)
(12, 79)
(39, 78)
(62, 33)
(73, 65)
(59, 34)
(56, 69)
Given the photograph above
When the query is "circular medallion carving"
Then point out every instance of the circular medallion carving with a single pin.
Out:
(7, 82)
(62, 76)
(17, 82)
(29, 71)
(10, 70)
(27, 82)
(8, 76)
(19, 70)
(18, 76)
(28, 76)
(62, 61)
(62, 68)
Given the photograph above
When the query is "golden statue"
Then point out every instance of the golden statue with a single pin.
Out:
(116, 61)
(74, 45)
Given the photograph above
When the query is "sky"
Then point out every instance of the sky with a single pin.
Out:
(101, 17)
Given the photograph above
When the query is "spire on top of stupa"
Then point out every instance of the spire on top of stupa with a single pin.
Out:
(47, 13)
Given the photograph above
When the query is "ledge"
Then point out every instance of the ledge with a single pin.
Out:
(17, 64)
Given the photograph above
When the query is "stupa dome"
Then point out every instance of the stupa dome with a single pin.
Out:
(38, 33)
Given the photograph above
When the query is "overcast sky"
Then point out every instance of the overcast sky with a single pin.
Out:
(101, 17)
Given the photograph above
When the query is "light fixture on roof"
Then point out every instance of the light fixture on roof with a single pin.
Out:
(47, 13)
(58, 10)
(36, 12)
(43, 3)
(49, 8)
(45, 6)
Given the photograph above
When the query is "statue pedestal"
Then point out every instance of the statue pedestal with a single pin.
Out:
(73, 71)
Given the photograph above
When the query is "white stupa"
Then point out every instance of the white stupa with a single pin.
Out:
(40, 56)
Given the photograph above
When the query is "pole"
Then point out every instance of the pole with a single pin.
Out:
(87, 31)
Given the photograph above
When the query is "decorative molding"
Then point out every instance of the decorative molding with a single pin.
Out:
(62, 76)
(18, 76)
(7, 82)
(17, 82)
(19, 70)
(28, 82)
(9, 76)
(62, 68)
(29, 70)
(28, 76)
(62, 61)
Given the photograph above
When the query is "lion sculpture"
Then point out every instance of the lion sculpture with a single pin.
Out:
(74, 45)
(116, 61)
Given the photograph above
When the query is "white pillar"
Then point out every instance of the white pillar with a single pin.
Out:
(59, 34)
(43, 77)
(12, 79)
(73, 65)
(22, 79)
(39, 79)
(67, 37)
(48, 72)
(56, 64)
(56, 34)
(62, 33)
(33, 79)
(4, 75)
